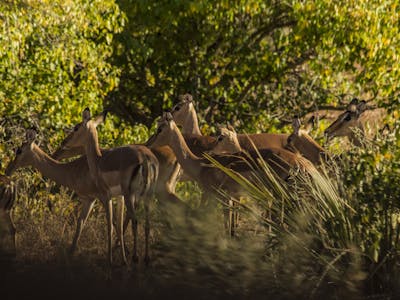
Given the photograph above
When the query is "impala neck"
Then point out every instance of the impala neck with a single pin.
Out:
(61, 173)
(191, 124)
(190, 163)
(93, 153)
(309, 148)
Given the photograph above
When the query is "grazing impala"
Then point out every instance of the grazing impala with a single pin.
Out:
(357, 117)
(74, 175)
(7, 199)
(184, 115)
(130, 171)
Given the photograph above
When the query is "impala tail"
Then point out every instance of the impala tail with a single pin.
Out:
(144, 177)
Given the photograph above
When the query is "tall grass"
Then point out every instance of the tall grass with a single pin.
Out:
(311, 238)
(333, 229)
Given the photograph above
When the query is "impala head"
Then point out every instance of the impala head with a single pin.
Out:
(301, 142)
(348, 120)
(23, 153)
(75, 142)
(165, 126)
(183, 109)
(227, 142)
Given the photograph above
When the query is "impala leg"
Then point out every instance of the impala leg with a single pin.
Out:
(120, 227)
(130, 203)
(109, 216)
(231, 218)
(146, 230)
(12, 230)
(124, 226)
(235, 214)
(87, 206)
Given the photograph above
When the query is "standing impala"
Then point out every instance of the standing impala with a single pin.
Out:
(357, 117)
(131, 171)
(227, 143)
(211, 178)
(7, 199)
(184, 115)
(74, 175)
(167, 176)
(168, 168)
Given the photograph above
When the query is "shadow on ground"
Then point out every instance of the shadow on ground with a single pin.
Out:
(79, 279)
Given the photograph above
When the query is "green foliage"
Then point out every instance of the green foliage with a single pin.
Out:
(53, 60)
(252, 61)
(372, 180)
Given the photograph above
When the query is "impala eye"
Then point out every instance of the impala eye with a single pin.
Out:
(177, 108)
(159, 130)
(76, 128)
(220, 138)
(18, 151)
(347, 118)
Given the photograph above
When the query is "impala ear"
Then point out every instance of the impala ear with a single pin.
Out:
(352, 106)
(86, 115)
(30, 135)
(361, 107)
(230, 127)
(296, 123)
(101, 118)
(311, 123)
(168, 117)
(224, 131)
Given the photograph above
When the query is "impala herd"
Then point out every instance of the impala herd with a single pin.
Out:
(136, 173)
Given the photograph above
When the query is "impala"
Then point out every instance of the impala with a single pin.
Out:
(168, 168)
(211, 178)
(130, 171)
(227, 143)
(184, 115)
(7, 199)
(300, 141)
(74, 175)
(357, 117)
